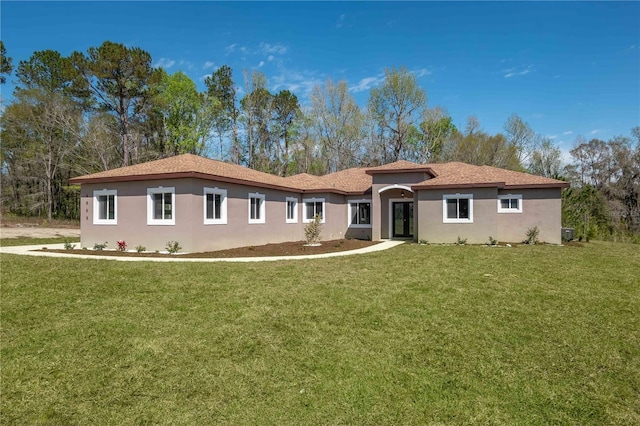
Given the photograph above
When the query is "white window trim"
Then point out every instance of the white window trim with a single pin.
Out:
(160, 190)
(510, 210)
(223, 206)
(261, 197)
(350, 214)
(295, 209)
(313, 200)
(96, 207)
(446, 197)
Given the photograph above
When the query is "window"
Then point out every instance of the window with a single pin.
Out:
(360, 213)
(510, 203)
(457, 208)
(256, 208)
(161, 206)
(313, 207)
(215, 206)
(292, 210)
(104, 207)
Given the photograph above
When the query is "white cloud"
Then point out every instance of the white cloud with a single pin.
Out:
(568, 132)
(512, 72)
(421, 72)
(208, 65)
(366, 83)
(164, 63)
(231, 48)
(299, 82)
(270, 58)
(552, 136)
(593, 132)
(260, 64)
(340, 22)
(278, 49)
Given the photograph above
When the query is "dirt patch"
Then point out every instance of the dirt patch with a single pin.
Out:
(35, 227)
(36, 232)
(296, 248)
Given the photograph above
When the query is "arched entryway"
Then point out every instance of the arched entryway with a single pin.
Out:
(398, 219)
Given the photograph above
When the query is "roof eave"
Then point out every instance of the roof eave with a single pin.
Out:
(427, 170)
(460, 185)
(181, 175)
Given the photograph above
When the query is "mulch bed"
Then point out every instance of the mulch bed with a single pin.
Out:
(296, 248)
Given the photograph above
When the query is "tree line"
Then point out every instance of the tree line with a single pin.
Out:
(110, 107)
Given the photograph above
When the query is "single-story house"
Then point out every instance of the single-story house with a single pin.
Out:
(208, 205)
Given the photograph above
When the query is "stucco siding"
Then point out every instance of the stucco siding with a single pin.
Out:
(190, 229)
(541, 208)
(431, 226)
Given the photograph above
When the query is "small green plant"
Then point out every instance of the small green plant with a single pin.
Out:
(422, 242)
(492, 241)
(461, 241)
(68, 245)
(532, 235)
(140, 249)
(173, 247)
(98, 246)
(313, 229)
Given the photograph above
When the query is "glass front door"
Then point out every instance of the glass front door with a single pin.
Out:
(402, 219)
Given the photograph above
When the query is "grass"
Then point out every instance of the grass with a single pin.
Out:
(24, 241)
(414, 335)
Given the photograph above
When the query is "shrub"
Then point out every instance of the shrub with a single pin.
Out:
(140, 249)
(422, 242)
(313, 229)
(98, 246)
(68, 245)
(173, 247)
(461, 241)
(492, 241)
(532, 235)
(122, 245)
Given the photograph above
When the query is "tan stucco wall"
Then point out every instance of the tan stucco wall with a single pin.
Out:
(430, 218)
(189, 229)
(541, 208)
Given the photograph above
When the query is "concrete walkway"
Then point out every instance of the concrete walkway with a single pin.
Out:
(29, 251)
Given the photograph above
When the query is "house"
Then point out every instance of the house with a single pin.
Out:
(209, 205)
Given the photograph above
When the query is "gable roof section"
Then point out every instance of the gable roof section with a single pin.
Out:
(462, 175)
(401, 166)
(189, 166)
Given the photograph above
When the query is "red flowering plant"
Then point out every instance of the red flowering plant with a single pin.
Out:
(122, 245)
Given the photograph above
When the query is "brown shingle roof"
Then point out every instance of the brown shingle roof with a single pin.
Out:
(462, 175)
(350, 181)
(188, 165)
(399, 167)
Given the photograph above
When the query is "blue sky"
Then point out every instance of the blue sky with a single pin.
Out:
(567, 68)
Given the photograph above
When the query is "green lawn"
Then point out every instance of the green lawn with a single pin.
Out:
(414, 335)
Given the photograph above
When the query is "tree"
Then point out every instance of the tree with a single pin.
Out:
(220, 86)
(436, 130)
(257, 107)
(286, 110)
(48, 70)
(395, 106)
(40, 130)
(5, 64)
(546, 160)
(338, 125)
(123, 81)
(482, 149)
(520, 135)
(188, 115)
